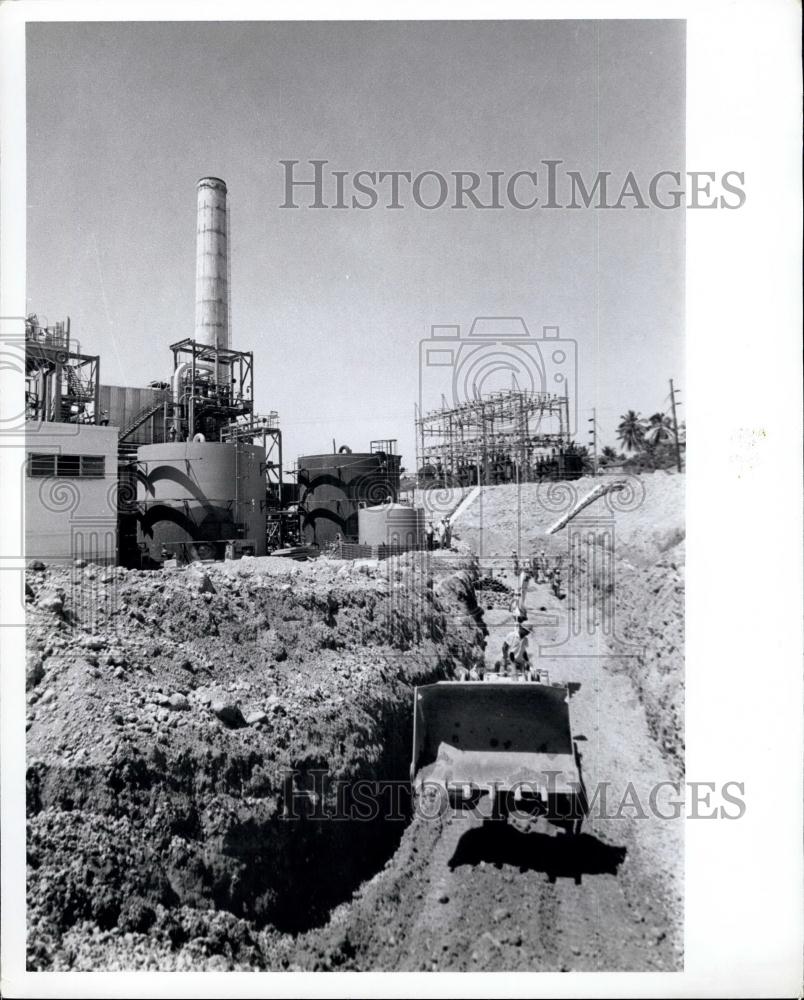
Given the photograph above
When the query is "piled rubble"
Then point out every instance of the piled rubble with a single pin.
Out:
(166, 712)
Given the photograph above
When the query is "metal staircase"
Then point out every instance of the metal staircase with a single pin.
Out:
(80, 392)
(127, 451)
(144, 414)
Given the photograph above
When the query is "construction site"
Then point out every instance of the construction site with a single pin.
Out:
(283, 714)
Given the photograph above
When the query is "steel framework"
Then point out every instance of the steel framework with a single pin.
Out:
(385, 446)
(264, 431)
(500, 437)
(214, 386)
(62, 384)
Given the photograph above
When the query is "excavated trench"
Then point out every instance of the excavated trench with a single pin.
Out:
(209, 833)
(143, 821)
(166, 712)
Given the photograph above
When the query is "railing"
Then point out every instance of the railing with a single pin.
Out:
(81, 389)
(353, 550)
(53, 337)
(144, 414)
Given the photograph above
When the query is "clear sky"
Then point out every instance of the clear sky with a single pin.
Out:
(124, 118)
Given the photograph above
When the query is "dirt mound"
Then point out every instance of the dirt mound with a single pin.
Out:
(646, 590)
(648, 516)
(650, 614)
(180, 724)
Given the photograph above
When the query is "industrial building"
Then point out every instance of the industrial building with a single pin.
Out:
(71, 481)
(183, 468)
(71, 493)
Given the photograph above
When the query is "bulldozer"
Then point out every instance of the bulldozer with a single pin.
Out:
(503, 747)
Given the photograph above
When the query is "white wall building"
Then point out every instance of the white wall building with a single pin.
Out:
(71, 492)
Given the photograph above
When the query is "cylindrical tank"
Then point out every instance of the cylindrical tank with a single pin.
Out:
(205, 491)
(392, 524)
(332, 487)
(211, 265)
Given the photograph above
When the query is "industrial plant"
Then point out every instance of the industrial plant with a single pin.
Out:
(346, 642)
(498, 438)
(441, 634)
(184, 469)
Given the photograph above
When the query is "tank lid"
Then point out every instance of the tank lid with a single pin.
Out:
(340, 460)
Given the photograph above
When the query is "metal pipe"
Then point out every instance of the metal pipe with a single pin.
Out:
(178, 375)
(180, 372)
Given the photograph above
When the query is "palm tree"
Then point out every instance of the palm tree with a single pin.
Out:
(660, 429)
(631, 431)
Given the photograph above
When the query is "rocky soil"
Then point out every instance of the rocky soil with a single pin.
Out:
(190, 733)
(176, 718)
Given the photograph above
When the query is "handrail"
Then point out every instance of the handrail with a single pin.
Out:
(144, 414)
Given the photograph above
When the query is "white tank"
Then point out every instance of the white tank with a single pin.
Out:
(394, 524)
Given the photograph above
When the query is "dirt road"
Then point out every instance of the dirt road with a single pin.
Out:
(463, 894)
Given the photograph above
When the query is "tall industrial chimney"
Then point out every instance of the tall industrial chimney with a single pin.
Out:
(211, 267)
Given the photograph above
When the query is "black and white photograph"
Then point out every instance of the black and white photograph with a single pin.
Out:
(352, 378)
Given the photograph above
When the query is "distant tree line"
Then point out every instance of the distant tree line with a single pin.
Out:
(649, 443)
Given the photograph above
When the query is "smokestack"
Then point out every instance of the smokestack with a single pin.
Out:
(211, 265)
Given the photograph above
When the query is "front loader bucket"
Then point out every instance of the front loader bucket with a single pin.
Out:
(475, 738)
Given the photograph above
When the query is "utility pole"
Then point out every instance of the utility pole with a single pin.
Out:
(518, 510)
(593, 435)
(675, 423)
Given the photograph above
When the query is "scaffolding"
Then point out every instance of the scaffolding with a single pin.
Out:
(61, 384)
(506, 436)
(264, 431)
(383, 446)
(212, 388)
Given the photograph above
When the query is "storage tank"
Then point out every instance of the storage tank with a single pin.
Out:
(392, 524)
(332, 486)
(200, 491)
